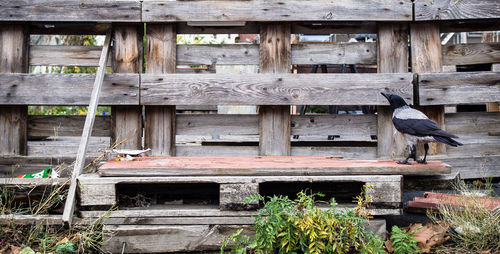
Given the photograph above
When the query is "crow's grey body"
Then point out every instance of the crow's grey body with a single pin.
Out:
(416, 127)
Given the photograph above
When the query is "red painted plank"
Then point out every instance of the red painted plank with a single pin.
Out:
(264, 165)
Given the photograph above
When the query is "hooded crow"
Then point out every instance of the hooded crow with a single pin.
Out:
(416, 128)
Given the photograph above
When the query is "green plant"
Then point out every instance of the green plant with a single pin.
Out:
(300, 226)
(66, 248)
(476, 228)
(404, 242)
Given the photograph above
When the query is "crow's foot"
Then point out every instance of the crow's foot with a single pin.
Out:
(403, 162)
(422, 161)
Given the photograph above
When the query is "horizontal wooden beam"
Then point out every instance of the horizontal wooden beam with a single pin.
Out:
(355, 53)
(309, 125)
(262, 10)
(43, 126)
(449, 9)
(65, 55)
(472, 122)
(273, 89)
(69, 28)
(265, 166)
(349, 53)
(67, 89)
(71, 10)
(473, 53)
(458, 88)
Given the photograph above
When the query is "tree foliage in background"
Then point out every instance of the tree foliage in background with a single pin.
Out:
(68, 40)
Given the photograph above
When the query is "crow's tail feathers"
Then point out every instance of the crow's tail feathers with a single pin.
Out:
(447, 140)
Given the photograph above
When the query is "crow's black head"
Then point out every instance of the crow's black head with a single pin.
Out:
(395, 100)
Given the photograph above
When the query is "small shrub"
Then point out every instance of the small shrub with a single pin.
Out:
(66, 248)
(476, 227)
(403, 242)
(300, 226)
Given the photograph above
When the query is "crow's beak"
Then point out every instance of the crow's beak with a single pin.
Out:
(386, 95)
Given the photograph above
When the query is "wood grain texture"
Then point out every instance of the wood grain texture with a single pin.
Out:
(70, 202)
(273, 89)
(70, 10)
(218, 54)
(127, 58)
(392, 52)
(65, 55)
(339, 27)
(168, 238)
(43, 126)
(351, 53)
(343, 125)
(274, 130)
(261, 10)
(473, 53)
(217, 124)
(475, 167)
(126, 127)
(458, 88)
(67, 89)
(426, 57)
(161, 52)
(360, 152)
(13, 119)
(263, 166)
(84, 28)
(274, 121)
(472, 122)
(451, 9)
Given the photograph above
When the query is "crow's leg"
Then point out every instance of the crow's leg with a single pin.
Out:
(426, 149)
(411, 154)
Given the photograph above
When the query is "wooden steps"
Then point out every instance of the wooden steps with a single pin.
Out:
(265, 166)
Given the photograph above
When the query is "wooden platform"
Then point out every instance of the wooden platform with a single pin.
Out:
(265, 166)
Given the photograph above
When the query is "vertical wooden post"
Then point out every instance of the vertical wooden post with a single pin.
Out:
(161, 40)
(126, 58)
(14, 45)
(392, 57)
(426, 57)
(493, 106)
(274, 121)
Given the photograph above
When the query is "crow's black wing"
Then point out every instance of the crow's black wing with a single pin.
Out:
(420, 127)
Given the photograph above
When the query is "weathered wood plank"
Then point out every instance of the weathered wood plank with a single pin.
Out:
(14, 45)
(217, 124)
(392, 51)
(261, 10)
(450, 9)
(67, 89)
(267, 165)
(349, 53)
(32, 182)
(273, 89)
(311, 125)
(218, 54)
(161, 52)
(472, 122)
(426, 56)
(473, 53)
(65, 55)
(458, 88)
(359, 152)
(167, 238)
(12, 166)
(338, 27)
(233, 196)
(274, 120)
(478, 167)
(353, 53)
(70, 202)
(71, 10)
(43, 126)
(126, 121)
(344, 125)
(9, 219)
(71, 28)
